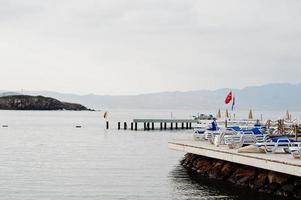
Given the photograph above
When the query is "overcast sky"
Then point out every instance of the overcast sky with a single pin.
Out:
(141, 46)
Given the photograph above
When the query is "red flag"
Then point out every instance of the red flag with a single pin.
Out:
(228, 98)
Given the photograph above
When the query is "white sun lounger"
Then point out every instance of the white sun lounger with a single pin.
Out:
(281, 144)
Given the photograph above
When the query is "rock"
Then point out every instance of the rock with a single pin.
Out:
(232, 179)
(297, 194)
(188, 160)
(203, 166)
(273, 187)
(277, 177)
(226, 170)
(297, 182)
(243, 176)
(244, 173)
(260, 180)
(288, 188)
(278, 193)
(215, 170)
(257, 179)
(244, 181)
(261, 189)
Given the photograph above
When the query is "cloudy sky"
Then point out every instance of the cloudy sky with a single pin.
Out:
(141, 46)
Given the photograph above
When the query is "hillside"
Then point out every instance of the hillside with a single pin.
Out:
(280, 96)
(25, 102)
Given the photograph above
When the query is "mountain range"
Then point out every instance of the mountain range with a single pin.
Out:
(277, 96)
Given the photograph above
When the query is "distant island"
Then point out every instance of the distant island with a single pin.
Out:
(26, 102)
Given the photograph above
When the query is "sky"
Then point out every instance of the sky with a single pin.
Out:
(143, 46)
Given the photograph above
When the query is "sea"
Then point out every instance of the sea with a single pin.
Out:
(44, 156)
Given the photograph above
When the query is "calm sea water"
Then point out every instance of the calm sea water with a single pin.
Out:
(43, 156)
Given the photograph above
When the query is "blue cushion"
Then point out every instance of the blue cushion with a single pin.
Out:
(256, 131)
(280, 139)
(235, 128)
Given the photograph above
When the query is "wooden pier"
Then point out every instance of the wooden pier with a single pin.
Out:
(164, 124)
(156, 124)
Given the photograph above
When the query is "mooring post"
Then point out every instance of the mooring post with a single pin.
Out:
(136, 126)
(171, 125)
(118, 125)
(144, 125)
(226, 123)
(148, 128)
(190, 125)
(153, 126)
(296, 132)
(165, 126)
(187, 125)
(161, 126)
(182, 125)
(125, 126)
(132, 126)
(107, 124)
(176, 125)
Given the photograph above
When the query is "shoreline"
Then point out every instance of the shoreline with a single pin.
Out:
(259, 180)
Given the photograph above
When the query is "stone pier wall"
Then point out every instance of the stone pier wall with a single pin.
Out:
(245, 176)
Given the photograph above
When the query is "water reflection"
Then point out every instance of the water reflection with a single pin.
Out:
(185, 185)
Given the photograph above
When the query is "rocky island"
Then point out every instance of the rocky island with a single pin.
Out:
(26, 102)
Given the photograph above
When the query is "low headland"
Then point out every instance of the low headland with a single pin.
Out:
(26, 102)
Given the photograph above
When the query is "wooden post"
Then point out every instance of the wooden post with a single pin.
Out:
(171, 125)
(144, 124)
(132, 126)
(190, 126)
(148, 126)
(107, 124)
(182, 125)
(125, 126)
(161, 125)
(153, 126)
(118, 125)
(176, 125)
(187, 126)
(296, 132)
(136, 126)
(165, 126)
(226, 123)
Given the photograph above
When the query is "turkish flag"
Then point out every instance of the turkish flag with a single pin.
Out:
(228, 98)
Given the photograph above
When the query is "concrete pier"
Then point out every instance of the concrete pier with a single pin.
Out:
(282, 163)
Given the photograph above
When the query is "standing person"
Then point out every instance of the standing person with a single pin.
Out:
(213, 125)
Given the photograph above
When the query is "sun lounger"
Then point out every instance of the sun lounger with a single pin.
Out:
(279, 144)
(295, 151)
(245, 137)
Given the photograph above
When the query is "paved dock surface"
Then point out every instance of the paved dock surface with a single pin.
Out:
(283, 163)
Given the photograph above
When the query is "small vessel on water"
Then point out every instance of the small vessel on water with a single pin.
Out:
(203, 117)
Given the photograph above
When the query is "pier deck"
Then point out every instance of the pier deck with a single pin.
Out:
(149, 124)
(283, 163)
(165, 121)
